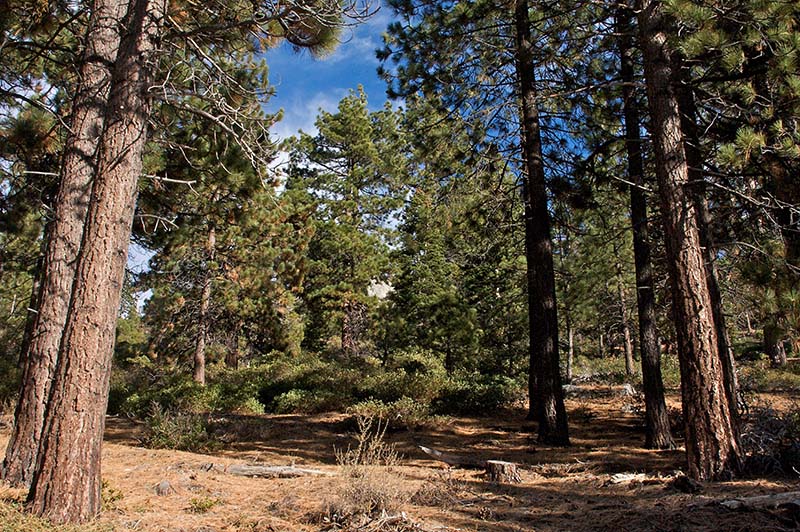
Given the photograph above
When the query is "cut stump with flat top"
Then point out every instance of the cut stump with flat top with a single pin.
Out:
(499, 471)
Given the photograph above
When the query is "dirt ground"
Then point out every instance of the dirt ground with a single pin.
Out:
(562, 489)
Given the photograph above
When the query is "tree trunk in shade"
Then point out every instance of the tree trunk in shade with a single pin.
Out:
(712, 444)
(45, 327)
(630, 364)
(547, 396)
(773, 344)
(66, 484)
(657, 427)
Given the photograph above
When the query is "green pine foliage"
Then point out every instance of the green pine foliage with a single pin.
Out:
(353, 172)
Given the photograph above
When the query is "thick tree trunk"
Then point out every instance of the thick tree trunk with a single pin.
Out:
(712, 445)
(694, 159)
(547, 396)
(66, 484)
(64, 239)
(657, 428)
(199, 374)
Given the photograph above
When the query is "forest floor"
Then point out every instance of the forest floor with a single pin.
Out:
(562, 489)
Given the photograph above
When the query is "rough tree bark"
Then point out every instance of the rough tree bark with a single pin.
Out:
(657, 428)
(66, 484)
(712, 445)
(199, 373)
(546, 394)
(694, 159)
(63, 239)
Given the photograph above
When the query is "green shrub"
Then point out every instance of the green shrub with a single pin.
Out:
(236, 390)
(605, 370)
(201, 505)
(9, 383)
(478, 394)
(182, 431)
(760, 377)
(306, 402)
(405, 412)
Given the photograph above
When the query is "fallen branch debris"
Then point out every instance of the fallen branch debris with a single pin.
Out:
(774, 500)
(263, 471)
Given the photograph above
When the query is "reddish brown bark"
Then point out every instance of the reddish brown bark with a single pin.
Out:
(694, 159)
(712, 446)
(546, 393)
(63, 239)
(66, 484)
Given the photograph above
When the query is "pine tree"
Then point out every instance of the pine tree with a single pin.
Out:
(457, 52)
(354, 170)
(712, 445)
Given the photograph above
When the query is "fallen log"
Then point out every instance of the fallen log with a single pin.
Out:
(263, 471)
(773, 500)
(496, 470)
(454, 459)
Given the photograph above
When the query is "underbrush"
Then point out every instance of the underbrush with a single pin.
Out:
(758, 376)
(181, 431)
(410, 386)
(610, 370)
(771, 441)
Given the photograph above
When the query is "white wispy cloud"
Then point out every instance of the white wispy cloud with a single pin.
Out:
(362, 40)
(301, 113)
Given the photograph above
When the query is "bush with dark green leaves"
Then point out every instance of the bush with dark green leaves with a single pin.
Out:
(477, 394)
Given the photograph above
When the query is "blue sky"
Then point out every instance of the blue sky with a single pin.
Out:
(304, 84)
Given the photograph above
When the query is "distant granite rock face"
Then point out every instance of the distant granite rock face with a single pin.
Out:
(379, 289)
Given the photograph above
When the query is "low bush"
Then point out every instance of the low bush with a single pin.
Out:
(478, 394)
(760, 377)
(403, 413)
(181, 431)
(307, 402)
(408, 388)
(370, 487)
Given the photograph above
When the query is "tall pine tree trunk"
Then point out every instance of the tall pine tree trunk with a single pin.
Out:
(694, 159)
(712, 445)
(199, 373)
(66, 484)
(547, 395)
(657, 428)
(63, 239)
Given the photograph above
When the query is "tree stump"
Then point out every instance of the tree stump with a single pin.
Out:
(499, 471)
